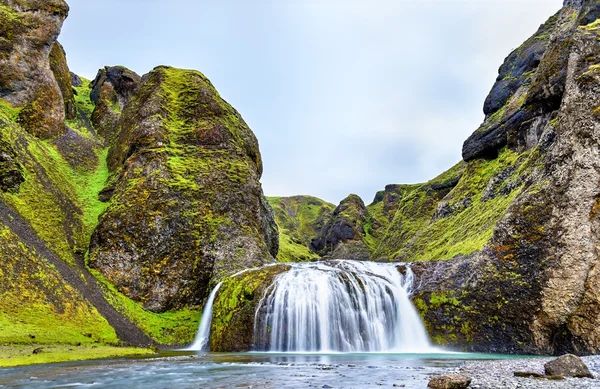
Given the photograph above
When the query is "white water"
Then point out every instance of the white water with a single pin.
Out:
(340, 306)
(201, 342)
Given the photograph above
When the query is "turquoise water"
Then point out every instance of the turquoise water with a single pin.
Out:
(184, 370)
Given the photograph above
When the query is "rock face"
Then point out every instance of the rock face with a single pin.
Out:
(342, 236)
(568, 366)
(111, 90)
(28, 32)
(187, 203)
(299, 218)
(11, 172)
(533, 287)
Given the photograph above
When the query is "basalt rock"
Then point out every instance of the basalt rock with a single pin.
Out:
(28, 32)
(342, 236)
(111, 90)
(187, 205)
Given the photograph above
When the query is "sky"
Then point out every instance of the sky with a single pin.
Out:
(344, 96)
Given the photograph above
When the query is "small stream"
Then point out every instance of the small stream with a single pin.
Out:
(184, 370)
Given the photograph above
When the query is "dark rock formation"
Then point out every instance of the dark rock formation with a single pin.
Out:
(187, 204)
(111, 90)
(568, 366)
(60, 69)
(342, 236)
(28, 32)
(75, 79)
(11, 172)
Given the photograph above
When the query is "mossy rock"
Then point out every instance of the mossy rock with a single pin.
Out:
(187, 205)
(234, 308)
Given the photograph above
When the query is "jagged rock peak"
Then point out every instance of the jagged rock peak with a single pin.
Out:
(111, 90)
(342, 235)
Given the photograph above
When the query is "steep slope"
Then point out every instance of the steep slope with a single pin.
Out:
(187, 205)
(299, 219)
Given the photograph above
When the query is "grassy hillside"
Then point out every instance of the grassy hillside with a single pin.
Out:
(300, 219)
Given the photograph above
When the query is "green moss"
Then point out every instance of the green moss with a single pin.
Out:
(8, 112)
(173, 328)
(37, 305)
(416, 235)
(299, 219)
(19, 355)
(234, 307)
(82, 97)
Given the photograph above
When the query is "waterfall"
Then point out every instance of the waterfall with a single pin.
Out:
(201, 342)
(340, 306)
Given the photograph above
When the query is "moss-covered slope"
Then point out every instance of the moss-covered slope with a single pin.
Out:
(300, 219)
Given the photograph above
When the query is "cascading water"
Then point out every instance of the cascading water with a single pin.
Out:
(340, 306)
(201, 342)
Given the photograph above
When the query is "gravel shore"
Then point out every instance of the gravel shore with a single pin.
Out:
(500, 374)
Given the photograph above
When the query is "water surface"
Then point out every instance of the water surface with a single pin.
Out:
(184, 370)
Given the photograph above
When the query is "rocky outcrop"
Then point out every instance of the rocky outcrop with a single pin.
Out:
(342, 236)
(28, 32)
(111, 90)
(187, 204)
(513, 106)
(62, 75)
(11, 172)
(299, 218)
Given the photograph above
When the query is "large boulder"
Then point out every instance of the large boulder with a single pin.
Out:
(187, 205)
(449, 381)
(28, 32)
(568, 365)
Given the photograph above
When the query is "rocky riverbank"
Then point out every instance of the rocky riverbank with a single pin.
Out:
(499, 374)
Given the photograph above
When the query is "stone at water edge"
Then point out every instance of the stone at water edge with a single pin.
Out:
(568, 365)
(449, 381)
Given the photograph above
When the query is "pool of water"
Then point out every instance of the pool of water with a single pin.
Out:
(184, 370)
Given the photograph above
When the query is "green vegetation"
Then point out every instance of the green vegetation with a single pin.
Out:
(37, 305)
(234, 307)
(173, 328)
(299, 218)
(18, 355)
(415, 234)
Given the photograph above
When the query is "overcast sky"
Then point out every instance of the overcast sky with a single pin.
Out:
(345, 96)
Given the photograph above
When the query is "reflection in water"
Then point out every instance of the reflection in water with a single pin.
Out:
(183, 370)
